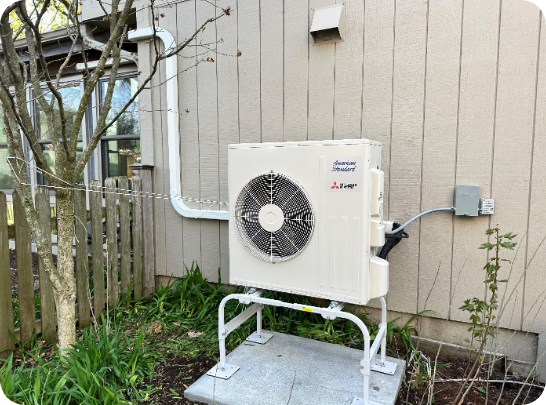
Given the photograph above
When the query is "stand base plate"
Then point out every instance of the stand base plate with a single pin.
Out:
(224, 374)
(388, 367)
(261, 339)
(360, 401)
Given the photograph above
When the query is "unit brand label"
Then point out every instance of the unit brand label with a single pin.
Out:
(344, 174)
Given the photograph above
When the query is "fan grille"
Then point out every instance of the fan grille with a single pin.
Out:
(297, 228)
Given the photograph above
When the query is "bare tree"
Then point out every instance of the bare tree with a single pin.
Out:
(26, 67)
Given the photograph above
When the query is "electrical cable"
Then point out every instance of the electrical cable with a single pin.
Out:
(397, 233)
(398, 228)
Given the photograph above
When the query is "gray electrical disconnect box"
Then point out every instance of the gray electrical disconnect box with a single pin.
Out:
(466, 200)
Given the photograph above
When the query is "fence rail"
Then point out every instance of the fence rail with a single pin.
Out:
(118, 222)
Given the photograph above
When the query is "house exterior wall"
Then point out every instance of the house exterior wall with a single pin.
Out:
(455, 91)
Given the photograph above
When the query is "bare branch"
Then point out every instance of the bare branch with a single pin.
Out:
(8, 10)
(43, 63)
(114, 36)
(101, 129)
(16, 109)
(75, 38)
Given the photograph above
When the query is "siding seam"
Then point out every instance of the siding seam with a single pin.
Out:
(392, 101)
(451, 291)
(198, 137)
(422, 159)
(531, 171)
(218, 139)
(494, 124)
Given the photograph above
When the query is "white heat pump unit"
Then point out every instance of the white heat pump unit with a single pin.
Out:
(307, 218)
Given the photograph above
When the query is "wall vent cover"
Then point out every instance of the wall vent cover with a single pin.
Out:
(274, 217)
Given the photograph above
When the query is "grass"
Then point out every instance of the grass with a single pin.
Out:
(113, 362)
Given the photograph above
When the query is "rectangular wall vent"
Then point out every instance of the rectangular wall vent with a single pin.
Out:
(328, 24)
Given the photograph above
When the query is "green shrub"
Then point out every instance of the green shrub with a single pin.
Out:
(103, 367)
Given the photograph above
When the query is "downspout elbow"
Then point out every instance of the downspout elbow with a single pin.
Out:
(171, 65)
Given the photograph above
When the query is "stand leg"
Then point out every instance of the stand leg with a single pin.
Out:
(383, 322)
(365, 400)
(222, 363)
(259, 336)
(381, 364)
(222, 369)
(259, 326)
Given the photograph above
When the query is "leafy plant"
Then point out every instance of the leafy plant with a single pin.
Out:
(103, 367)
(484, 312)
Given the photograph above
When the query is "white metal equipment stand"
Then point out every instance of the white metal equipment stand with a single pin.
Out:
(369, 362)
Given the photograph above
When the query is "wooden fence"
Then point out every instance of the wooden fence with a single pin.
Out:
(112, 215)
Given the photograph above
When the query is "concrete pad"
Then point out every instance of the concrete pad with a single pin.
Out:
(303, 370)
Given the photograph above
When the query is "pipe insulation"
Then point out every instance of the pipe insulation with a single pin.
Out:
(171, 65)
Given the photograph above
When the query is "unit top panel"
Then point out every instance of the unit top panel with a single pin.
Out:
(304, 143)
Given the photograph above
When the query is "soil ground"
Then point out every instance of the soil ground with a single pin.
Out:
(176, 374)
(445, 392)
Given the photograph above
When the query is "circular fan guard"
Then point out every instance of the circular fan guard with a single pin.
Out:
(293, 231)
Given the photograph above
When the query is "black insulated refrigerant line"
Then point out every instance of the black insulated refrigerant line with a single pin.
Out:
(394, 240)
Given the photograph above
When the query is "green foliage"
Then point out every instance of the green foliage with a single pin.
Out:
(483, 312)
(54, 16)
(192, 305)
(103, 367)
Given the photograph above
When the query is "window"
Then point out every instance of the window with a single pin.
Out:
(5, 175)
(71, 100)
(120, 145)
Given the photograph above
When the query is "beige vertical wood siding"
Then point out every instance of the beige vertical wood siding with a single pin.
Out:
(454, 90)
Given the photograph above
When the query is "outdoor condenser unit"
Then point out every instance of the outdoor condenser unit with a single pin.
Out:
(306, 218)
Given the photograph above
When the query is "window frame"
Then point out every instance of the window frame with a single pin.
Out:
(4, 145)
(96, 168)
(65, 82)
(101, 169)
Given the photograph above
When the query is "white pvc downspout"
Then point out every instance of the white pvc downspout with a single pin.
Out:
(171, 64)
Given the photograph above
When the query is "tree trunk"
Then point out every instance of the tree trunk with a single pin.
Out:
(65, 298)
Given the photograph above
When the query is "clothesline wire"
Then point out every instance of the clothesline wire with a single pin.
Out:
(106, 190)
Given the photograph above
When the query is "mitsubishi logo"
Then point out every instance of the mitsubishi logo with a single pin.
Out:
(335, 185)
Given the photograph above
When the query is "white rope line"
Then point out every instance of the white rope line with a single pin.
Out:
(106, 190)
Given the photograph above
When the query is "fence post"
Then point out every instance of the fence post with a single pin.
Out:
(25, 278)
(6, 310)
(99, 291)
(124, 233)
(148, 269)
(47, 301)
(137, 236)
(82, 261)
(112, 241)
